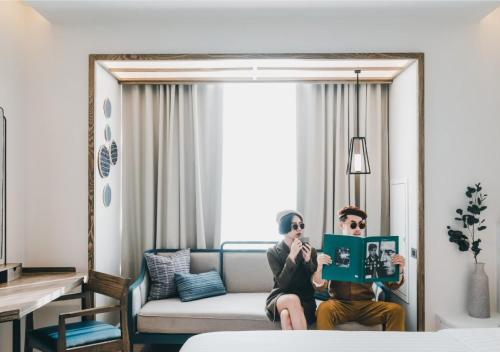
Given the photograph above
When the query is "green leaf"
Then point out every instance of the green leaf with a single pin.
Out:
(475, 247)
(460, 239)
(474, 209)
(481, 228)
(470, 220)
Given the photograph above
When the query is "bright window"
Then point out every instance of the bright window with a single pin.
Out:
(259, 159)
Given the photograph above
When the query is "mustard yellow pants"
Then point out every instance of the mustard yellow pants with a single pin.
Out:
(333, 312)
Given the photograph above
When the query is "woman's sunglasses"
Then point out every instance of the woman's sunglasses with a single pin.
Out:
(296, 226)
(360, 224)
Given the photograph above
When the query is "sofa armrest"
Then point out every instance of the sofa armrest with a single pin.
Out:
(382, 292)
(137, 297)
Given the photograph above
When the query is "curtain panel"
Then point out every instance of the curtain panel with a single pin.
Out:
(326, 119)
(172, 169)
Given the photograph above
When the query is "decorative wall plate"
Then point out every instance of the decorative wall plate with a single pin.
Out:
(106, 195)
(107, 133)
(114, 152)
(103, 161)
(107, 108)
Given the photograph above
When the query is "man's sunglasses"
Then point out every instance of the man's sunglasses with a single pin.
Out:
(360, 224)
(296, 226)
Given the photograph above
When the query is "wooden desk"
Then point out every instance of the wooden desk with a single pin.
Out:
(21, 297)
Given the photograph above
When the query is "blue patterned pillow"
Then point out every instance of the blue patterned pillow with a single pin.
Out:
(162, 269)
(195, 286)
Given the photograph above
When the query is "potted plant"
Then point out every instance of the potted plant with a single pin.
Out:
(467, 237)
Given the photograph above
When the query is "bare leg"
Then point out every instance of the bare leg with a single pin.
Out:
(291, 303)
(286, 323)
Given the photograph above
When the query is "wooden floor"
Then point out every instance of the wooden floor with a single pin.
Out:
(157, 348)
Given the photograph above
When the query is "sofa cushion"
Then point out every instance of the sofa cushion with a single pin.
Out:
(230, 312)
(196, 286)
(162, 269)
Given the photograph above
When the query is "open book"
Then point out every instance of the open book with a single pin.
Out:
(361, 259)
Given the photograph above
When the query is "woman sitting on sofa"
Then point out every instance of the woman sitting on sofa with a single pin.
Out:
(293, 263)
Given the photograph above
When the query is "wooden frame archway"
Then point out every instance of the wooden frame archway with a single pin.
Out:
(419, 57)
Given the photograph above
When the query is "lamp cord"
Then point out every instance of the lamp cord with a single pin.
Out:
(357, 101)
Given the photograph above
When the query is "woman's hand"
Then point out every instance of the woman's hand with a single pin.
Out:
(306, 252)
(323, 259)
(295, 248)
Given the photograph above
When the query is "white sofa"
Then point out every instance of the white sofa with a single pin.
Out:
(248, 281)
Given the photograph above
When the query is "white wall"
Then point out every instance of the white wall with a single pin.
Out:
(107, 219)
(461, 89)
(107, 223)
(13, 100)
(403, 156)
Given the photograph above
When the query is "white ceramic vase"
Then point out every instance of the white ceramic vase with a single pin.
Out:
(479, 293)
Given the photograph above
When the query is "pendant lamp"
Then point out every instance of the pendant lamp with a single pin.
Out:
(358, 154)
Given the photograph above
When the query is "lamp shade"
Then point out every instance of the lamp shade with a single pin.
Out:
(358, 157)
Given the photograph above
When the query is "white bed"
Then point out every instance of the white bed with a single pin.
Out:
(449, 340)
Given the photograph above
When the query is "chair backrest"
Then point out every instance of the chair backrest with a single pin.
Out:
(115, 287)
(108, 285)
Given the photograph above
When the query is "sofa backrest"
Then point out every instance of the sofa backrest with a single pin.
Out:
(247, 271)
(202, 262)
(243, 271)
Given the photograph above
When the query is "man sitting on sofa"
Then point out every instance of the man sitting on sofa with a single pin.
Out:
(352, 301)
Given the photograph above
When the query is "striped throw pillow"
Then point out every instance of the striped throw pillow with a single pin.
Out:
(162, 270)
(195, 286)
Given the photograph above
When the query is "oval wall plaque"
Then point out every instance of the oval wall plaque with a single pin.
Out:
(114, 153)
(107, 108)
(103, 161)
(106, 195)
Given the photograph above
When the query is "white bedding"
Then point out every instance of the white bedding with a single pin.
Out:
(450, 340)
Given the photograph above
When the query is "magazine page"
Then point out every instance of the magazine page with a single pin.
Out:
(347, 253)
(378, 253)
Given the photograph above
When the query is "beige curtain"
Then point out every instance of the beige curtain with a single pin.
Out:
(326, 119)
(172, 167)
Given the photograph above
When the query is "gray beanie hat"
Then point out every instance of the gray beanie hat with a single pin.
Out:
(283, 213)
(284, 219)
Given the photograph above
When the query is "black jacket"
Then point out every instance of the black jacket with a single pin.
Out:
(290, 277)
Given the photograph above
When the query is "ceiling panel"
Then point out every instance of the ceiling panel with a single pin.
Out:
(255, 69)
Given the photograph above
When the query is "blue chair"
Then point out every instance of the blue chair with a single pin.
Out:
(88, 335)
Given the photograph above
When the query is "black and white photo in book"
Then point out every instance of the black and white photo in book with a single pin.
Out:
(342, 257)
(372, 260)
(387, 251)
